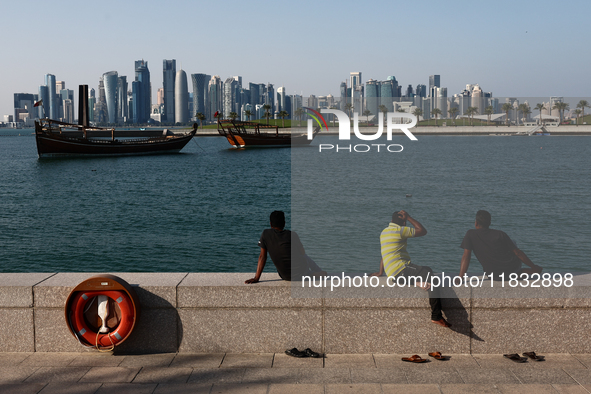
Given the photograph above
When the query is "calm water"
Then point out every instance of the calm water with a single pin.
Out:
(204, 209)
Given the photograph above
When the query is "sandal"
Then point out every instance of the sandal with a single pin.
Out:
(533, 356)
(414, 359)
(310, 353)
(515, 357)
(295, 353)
(437, 356)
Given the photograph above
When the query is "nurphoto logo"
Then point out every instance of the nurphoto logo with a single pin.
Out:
(345, 130)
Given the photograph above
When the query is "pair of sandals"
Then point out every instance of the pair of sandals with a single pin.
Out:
(518, 359)
(300, 354)
(417, 359)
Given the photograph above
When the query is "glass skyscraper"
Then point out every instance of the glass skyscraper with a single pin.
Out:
(110, 81)
(141, 91)
(200, 93)
(168, 83)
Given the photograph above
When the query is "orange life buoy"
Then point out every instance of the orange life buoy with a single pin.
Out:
(99, 340)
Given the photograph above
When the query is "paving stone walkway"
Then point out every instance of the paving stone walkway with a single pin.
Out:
(269, 373)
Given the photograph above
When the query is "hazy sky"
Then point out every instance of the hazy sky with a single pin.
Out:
(511, 48)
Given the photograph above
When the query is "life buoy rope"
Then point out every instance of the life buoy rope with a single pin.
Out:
(99, 340)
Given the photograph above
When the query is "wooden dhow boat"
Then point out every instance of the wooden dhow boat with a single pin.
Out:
(255, 135)
(58, 139)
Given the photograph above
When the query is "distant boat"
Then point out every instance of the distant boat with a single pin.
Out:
(248, 134)
(58, 139)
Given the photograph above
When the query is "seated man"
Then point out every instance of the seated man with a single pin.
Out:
(494, 250)
(278, 242)
(396, 260)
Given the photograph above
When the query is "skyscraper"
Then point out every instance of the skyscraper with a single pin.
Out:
(214, 100)
(434, 81)
(43, 95)
(229, 97)
(53, 104)
(168, 82)
(141, 91)
(281, 99)
(23, 106)
(343, 91)
(181, 98)
(354, 79)
(122, 109)
(110, 81)
(255, 96)
(372, 96)
(270, 97)
(200, 93)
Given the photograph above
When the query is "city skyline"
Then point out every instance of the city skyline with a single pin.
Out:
(525, 49)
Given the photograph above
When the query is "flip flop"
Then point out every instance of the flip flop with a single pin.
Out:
(414, 359)
(533, 356)
(515, 357)
(437, 356)
(295, 353)
(310, 353)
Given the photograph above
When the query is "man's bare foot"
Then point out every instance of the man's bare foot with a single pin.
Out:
(441, 322)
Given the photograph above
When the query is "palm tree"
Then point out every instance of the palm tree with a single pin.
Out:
(582, 104)
(578, 112)
(540, 107)
(525, 110)
(333, 115)
(366, 113)
(298, 114)
(471, 111)
(452, 112)
(384, 110)
(200, 117)
(233, 116)
(283, 115)
(489, 111)
(561, 107)
(248, 114)
(418, 113)
(349, 108)
(267, 107)
(506, 108)
(436, 112)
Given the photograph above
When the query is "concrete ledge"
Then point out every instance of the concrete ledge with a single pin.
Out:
(218, 313)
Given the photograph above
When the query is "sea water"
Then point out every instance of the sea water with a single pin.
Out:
(204, 209)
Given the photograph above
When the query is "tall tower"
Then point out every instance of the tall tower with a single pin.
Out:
(434, 81)
(142, 90)
(181, 98)
(200, 91)
(44, 95)
(372, 96)
(53, 104)
(122, 109)
(354, 80)
(168, 82)
(110, 81)
(214, 102)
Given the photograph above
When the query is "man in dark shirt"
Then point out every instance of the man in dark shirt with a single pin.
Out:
(494, 250)
(280, 244)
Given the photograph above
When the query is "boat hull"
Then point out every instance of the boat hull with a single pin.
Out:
(265, 141)
(51, 144)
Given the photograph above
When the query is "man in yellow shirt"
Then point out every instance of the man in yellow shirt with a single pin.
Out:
(396, 260)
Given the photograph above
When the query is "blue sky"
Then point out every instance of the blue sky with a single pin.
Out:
(512, 48)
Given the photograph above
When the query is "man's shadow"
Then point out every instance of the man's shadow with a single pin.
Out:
(456, 313)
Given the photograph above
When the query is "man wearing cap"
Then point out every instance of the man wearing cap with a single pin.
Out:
(280, 243)
(497, 253)
(396, 260)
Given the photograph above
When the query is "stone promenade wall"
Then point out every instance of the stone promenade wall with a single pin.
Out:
(217, 312)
